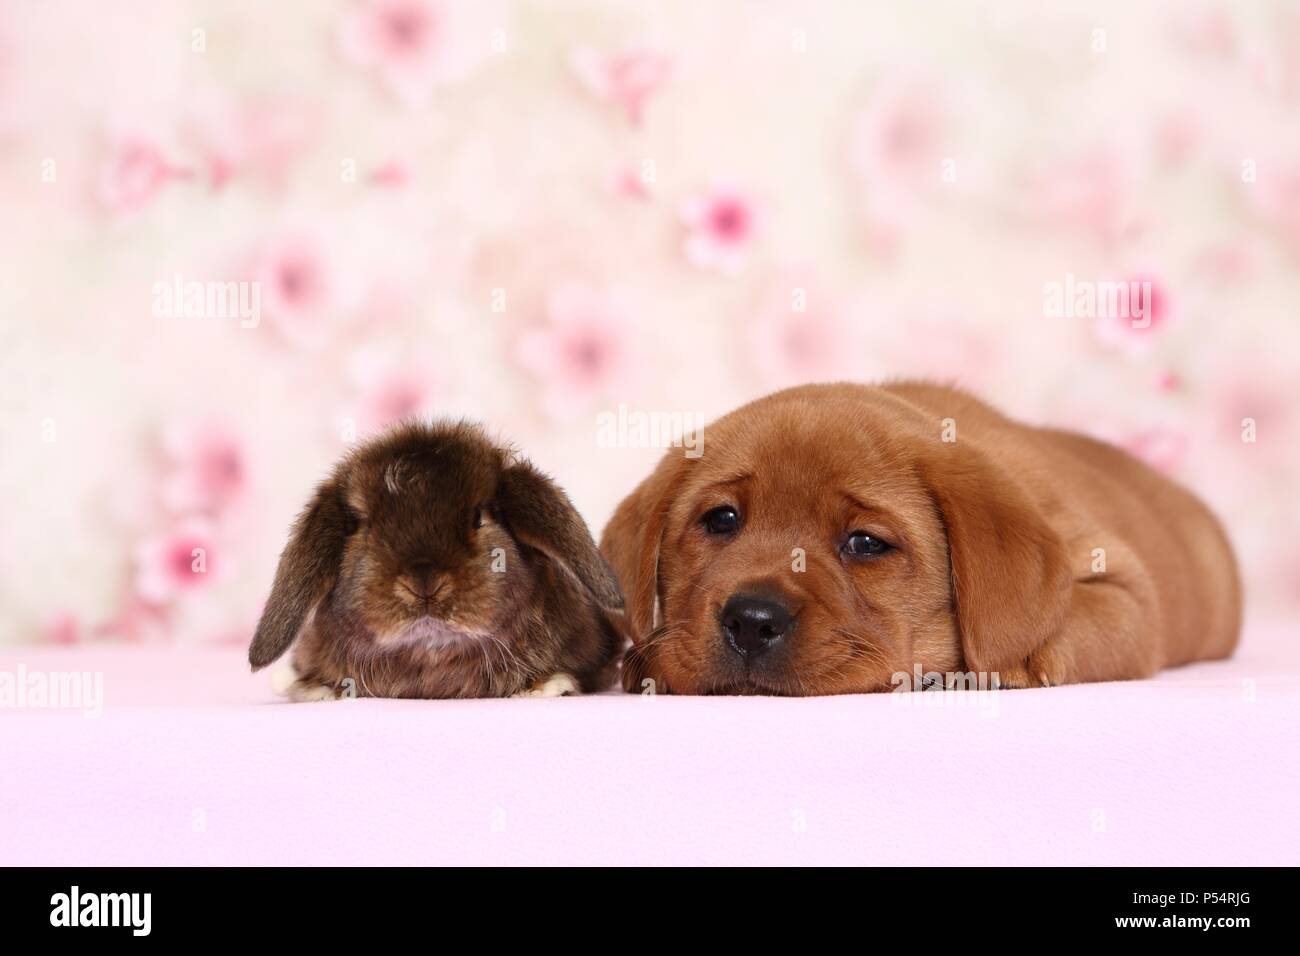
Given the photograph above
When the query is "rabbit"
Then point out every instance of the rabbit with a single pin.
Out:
(435, 563)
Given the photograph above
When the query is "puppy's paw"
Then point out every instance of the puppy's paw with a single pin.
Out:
(557, 685)
(1045, 667)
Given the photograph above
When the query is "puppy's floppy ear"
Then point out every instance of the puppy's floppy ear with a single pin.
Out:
(632, 539)
(541, 516)
(309, 566)
(1010, 575)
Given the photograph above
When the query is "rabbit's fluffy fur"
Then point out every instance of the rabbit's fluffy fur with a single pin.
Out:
(435, 563)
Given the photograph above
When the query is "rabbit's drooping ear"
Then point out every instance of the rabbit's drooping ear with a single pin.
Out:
(1010, 574)
(541, 516)
(308, 567)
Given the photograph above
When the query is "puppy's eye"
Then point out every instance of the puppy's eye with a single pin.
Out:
(723, 520)
(859, 544)
(351, 524)
(478, 517)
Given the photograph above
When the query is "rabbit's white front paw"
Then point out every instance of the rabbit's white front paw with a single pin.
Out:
(557, 685)
(285, 682)
(283, 677)
(303, 692)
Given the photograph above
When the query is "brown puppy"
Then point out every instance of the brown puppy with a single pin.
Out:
(834, 537)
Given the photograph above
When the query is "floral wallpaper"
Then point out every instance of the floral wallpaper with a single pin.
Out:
(237, 237)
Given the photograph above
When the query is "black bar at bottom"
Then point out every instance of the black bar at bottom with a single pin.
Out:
(333, 906)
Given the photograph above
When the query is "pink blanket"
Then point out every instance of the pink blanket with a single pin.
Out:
(194, 761)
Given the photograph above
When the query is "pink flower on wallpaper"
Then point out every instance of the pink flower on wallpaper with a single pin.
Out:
(901, 133)
(176, 563)
(629, 182)
(62, 627)
(1177, 135)
(134, 171)
(399, 397)
(261, 137)
(721, 225)
(581, 350)
(1275, 198)
(897, 145)
(136, 620)
(208, 468)
(627, 79)
(1140, 317)
(418, 45)
(1260, 402)
(1162, 447)
(1169, 381)
(298, 288)
(936, 341)
(1204, 30)
(1228, 260)
(388, 389)
(798, 335)
(393, 174)
(1092, 192)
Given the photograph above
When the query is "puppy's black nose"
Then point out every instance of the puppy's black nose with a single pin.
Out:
(751, 625)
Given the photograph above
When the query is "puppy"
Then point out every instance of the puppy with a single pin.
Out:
(834, 537)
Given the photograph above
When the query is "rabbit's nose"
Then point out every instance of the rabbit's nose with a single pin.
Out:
(423, 582)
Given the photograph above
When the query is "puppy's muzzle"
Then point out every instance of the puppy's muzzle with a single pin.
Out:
(753, 625)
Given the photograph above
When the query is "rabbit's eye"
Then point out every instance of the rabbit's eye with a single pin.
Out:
(478, 517)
